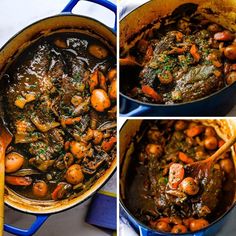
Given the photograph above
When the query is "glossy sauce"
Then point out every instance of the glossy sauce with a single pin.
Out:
(55, 72)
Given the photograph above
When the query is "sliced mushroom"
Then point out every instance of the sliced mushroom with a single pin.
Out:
(26, 172)
(107, 125)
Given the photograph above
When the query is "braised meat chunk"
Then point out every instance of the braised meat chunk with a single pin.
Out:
(185, 59)
(160, 187)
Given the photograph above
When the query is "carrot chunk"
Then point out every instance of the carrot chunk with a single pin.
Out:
(184, 158)
(194, 53)
(19, 181)
(108, 145)
(194, 131)
(56, 192)
(151, 92)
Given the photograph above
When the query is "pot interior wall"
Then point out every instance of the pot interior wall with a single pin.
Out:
(71, 23)
(221, 12)
(59, 23)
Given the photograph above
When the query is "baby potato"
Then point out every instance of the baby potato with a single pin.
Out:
(197, 224)
(230, 52)
(189, 186)
(40, 189)
(226, 165)
(78, 149)
(179, 229)
(98, 51)
(225, 35)
(74, 174)
(162, 226)
(60, 43)
(231, 78)
(209, 131)
(214, 28)
(112, 90)
(154, 150)
(13, 162)
(180, 125)
(211, 142)
(100, 100)
(112, 74)
(97, 137)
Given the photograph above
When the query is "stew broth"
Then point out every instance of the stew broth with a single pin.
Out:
(180, 59)
(161, 193)
(60, 105)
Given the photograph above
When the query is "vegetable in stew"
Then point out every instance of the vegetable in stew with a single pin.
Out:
(181, 59)
(59, 99)
(160, 191)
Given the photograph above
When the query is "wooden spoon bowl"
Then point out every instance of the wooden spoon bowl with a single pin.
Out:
(203, 167)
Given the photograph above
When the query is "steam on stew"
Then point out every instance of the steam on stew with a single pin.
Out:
(187, 58)
(161, 193)
(60, 104)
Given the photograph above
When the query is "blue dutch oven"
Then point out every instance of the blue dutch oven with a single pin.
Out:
(66, 21)
(127, 132)
(134, 21)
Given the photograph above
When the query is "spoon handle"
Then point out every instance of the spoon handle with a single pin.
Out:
(5, 139)
(2, 177)
(223, 148)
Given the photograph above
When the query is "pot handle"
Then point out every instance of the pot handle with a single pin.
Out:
(40, 219)
(137, 111)
(107, 4)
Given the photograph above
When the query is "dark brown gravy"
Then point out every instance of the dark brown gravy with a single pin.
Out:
(55, 69)
(149, 203)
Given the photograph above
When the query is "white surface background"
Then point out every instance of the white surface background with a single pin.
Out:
(15, 15)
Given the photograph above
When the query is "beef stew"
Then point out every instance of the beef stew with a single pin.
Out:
(158, 189)
(181, 58)
(59, 102)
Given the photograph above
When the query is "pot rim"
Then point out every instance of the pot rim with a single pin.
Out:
(65, 208)
(50, 17)
(175, 104)
(100, 182)
(127, 211)
(134, 9)
(183, 103)
(180, 104)
(169, 233)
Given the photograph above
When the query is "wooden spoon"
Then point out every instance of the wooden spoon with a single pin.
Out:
(5, 140)
(201, 167)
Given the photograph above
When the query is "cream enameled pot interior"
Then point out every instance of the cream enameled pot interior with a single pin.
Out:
(222, 12)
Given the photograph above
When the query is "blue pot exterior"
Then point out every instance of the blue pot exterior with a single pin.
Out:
(218, 104)
(142, 230)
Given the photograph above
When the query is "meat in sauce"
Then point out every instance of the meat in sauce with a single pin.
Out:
(186, 59)
(160, 190)
(60, 105)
